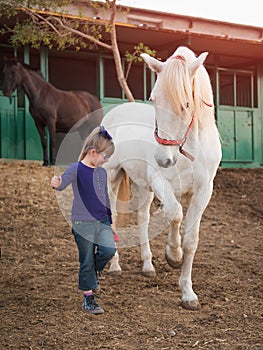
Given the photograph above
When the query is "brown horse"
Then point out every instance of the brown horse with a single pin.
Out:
(55, 109)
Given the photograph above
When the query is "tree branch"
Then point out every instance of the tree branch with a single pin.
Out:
(116, 54)
(83, 35)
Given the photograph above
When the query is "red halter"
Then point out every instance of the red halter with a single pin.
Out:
(179, 143)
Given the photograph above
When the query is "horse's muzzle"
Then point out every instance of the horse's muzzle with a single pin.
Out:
(7, 93)
(165, 162)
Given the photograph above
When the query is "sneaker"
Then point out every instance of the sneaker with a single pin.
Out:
(90, 305)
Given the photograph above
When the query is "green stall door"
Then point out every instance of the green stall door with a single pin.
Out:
(19, 136)
(33, 148)
(11, 128)
(236, 130)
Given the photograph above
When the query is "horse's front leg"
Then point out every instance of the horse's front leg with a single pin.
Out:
(174, 252)
(173, 213)
(190, 242)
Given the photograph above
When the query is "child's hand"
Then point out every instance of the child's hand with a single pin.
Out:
(116, 237)
(56, 181)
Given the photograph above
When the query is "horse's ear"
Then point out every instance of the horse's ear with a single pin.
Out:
(153, 63)
(13, 59)
(197, 63)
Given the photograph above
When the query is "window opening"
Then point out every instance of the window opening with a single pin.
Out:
(237, 88)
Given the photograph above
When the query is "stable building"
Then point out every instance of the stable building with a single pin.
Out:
(234, 63)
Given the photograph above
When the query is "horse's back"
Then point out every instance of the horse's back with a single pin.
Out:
(93, 101)
(75, 110)
(129, 115)
(131, 121)
(131, 126)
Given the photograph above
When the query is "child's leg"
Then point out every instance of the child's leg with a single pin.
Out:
(84, 236)
(105, 247)
(87, 273)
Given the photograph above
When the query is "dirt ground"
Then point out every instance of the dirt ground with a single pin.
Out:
(41, 305)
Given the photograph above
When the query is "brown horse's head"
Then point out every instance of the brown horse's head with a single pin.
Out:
(12, 77)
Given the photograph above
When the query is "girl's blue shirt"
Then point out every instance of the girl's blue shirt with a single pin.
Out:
(91, 199)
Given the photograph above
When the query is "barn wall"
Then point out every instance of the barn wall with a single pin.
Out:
(240, 126)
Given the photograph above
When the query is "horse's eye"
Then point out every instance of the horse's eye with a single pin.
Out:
(183, 108)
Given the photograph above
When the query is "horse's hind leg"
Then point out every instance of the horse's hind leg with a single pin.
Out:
(115, 268)
(115, 177)
(42, 133)
(143, 217)
(52, 136)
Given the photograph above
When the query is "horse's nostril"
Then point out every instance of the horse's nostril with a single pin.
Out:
(164, 164)
(168, 162)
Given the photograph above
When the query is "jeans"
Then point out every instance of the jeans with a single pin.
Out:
(96, 248)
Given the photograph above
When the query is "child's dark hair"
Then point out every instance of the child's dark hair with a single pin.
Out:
(100, 140)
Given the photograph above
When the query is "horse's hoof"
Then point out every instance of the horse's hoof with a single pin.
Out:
(114, 272)
(172, 263)
(193, 305)
(149, 273)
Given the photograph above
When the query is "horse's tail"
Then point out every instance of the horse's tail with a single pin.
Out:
(124, 188)
(123, 200)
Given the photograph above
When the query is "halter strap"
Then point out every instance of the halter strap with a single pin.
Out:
(207, 104)
(179, 142)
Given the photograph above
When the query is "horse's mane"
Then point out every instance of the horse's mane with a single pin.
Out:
(34, 70)
(184, 92)
(177, 86)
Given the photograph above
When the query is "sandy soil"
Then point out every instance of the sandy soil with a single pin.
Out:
(41, 306)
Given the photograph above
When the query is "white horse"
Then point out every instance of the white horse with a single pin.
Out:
(171, 150)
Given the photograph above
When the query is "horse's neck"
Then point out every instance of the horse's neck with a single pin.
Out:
(32, 84)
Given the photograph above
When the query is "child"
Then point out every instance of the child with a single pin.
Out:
(91, 214)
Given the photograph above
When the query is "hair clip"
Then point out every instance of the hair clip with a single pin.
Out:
(105, 133)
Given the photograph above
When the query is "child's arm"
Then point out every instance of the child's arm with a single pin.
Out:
(59, 183)
(56, 181)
